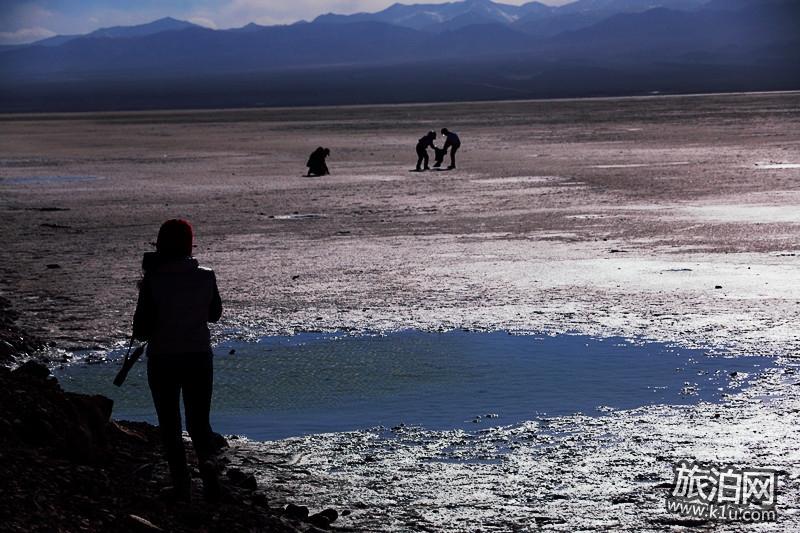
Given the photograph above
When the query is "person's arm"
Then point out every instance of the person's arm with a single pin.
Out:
(215, 310)
(145, 315)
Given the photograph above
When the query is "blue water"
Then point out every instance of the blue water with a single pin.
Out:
(314, 383)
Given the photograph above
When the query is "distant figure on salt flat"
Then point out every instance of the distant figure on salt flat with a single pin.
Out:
(454, 143)
(316, 162)
(422, 150)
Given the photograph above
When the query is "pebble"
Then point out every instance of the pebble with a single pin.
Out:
(298, 512)
(324, 518)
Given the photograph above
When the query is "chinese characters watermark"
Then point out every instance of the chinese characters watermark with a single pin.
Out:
(723, 492)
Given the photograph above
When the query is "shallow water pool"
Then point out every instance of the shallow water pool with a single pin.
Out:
(315, 383)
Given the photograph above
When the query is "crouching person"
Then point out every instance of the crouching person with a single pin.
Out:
(177, 299)
(316, 162)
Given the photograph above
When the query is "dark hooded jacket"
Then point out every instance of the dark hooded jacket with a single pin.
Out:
(176, 302)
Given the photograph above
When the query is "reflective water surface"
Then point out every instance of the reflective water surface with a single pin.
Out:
(315, 383)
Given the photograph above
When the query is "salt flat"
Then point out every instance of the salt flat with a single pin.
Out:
(542, 186)
(619, 239)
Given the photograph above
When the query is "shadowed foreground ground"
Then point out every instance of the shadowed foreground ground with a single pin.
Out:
(65, 466)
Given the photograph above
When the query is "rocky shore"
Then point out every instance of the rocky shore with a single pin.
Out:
(65, 465)
(13, 342)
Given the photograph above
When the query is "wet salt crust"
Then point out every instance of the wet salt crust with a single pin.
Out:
(317, 383)
(44, 180)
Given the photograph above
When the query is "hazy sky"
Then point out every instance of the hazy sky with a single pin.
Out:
(29, 20)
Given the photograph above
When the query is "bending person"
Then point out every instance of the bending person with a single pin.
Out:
(422, 150)
(177, 299)
(454, 143)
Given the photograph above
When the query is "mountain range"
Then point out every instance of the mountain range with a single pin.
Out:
(464, 50)
(533, 18)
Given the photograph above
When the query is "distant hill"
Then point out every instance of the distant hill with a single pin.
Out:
(157, 26)
(628, 6)
(730, 36)
(460, 50)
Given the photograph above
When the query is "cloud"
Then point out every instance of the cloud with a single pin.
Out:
(203, 21)
(25, 35)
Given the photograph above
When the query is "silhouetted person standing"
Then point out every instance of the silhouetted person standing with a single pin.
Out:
(422, 150)
(454, 143)
(177, 299)
(316, 162)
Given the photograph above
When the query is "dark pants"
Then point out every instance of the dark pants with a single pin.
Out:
(168, 375)
(453, 149)
(422, 158)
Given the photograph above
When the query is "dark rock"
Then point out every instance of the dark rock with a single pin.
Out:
(717, 286)
(323, 519)
(545, 520)
(48, 209)
(6, 350)
(297, 512)
(144, 471)
(54, 226)
(138, 523)
(242, 479)
(52, 266)
(647, 477)
(33, 369)
(260, 499)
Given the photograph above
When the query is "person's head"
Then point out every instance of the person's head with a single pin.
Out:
(445, 131)
(327, 152)
(175, 239)
(432, 134)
